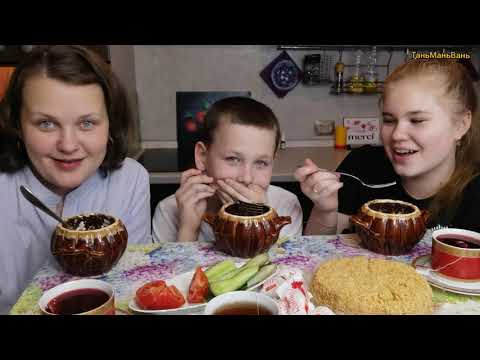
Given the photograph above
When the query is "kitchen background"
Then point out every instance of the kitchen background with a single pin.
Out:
(163, 70)
(153, 74)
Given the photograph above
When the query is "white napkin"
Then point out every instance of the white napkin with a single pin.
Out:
(289, 289)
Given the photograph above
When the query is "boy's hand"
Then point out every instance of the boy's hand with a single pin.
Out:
(191, 199)
(230, 190)
(321, 186)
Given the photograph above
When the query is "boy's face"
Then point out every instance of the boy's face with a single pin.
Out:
(240, 152)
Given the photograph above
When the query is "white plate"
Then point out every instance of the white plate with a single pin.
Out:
(182, 283)
(423, 267)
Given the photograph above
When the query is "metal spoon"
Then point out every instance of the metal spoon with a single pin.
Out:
(36, 202)
(374, 186)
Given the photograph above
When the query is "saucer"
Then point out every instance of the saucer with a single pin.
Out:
(422, 265)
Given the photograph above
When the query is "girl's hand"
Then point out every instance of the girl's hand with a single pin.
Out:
(191, 198)
(230, 190)
(321, 186)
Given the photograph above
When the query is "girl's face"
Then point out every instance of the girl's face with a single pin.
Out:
(240, 152)
(65, 130)
(419, 130)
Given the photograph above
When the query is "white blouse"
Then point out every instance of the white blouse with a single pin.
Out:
(25, 231)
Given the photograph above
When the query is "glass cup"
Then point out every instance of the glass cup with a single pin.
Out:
(340, 137)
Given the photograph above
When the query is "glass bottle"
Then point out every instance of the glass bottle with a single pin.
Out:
(339, 68)
(356, 82)
(371, 73)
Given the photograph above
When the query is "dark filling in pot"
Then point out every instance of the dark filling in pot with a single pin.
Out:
(392, 208)
(89, 222)
(244, 209)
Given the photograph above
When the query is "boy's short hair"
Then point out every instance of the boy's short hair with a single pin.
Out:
(70, 64)
(239, 110)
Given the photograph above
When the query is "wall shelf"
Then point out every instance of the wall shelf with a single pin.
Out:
(346, 90)
(366, 90)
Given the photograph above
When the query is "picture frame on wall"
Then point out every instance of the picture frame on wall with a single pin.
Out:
(191, 108)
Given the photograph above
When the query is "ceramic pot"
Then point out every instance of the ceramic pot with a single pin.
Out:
(91, 245)
(390, 227)
(245, 236)
(456, 254)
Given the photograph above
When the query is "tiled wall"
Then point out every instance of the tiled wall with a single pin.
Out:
(163, 70)
(123, 64)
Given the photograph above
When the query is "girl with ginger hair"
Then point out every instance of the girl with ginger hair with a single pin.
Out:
(431, 137)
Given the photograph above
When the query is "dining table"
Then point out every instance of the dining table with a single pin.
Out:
(143, 263)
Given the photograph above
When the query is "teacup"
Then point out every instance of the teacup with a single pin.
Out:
(79, 297)
(242, 303)
(456, 254)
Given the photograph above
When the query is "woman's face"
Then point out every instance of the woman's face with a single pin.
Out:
(65, 130)
(419, 131)
(242, 153)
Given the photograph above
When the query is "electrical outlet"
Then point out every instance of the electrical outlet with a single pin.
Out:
(324, 127)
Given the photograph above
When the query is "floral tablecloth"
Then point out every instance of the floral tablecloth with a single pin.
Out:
(141, 264)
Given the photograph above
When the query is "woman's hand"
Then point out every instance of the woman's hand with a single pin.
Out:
(191, 198)
(321, 186)
(230, 190)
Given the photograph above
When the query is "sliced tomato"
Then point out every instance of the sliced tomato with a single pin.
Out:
(156, 295)
(198, 290)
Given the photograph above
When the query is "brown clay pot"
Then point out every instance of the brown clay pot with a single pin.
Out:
(245, 236)
(90, 251)
(390, 227)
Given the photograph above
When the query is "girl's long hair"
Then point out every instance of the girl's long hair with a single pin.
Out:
(460, 89)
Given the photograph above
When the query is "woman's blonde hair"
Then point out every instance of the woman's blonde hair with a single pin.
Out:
(459, 88)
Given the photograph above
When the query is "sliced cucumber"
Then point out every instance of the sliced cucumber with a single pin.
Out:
(262, 274)
(259, 260)
(227, 275)
(235, 283)
(219, 269)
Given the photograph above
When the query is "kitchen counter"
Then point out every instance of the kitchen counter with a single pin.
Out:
(285, 164)
(289, 159)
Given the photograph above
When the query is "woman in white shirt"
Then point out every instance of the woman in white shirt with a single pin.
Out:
(63, 134)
